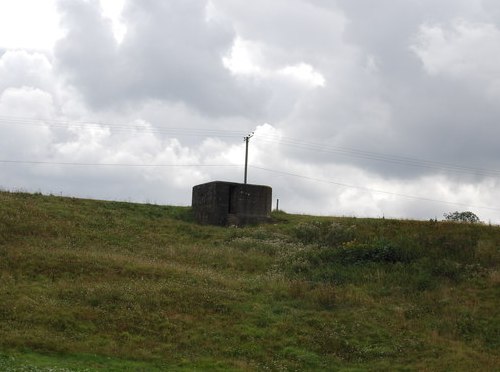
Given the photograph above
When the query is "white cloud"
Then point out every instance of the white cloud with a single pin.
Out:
(112, 9)
(305, 73)
(35, 24)
(21, 140)
(246, 58)
(16, 102)
(21, 68)
(467, 51)
(29, 24)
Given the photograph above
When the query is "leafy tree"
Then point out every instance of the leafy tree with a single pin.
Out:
(467, 217)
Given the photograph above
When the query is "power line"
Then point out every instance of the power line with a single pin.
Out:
(31, 162)
(388, 158)
(286, 141)
(373, 190)
(178, 131)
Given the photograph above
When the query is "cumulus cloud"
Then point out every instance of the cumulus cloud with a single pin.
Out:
(171, 51)
(28, 24)
(46, 124)
(20, 68)
(24, 141)
(463, 51)
(383, 100)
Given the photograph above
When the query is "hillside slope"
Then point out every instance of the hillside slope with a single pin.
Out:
(87, 285)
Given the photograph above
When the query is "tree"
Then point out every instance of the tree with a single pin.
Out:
(467, 217)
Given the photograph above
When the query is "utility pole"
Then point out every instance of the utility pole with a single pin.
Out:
(246, 139)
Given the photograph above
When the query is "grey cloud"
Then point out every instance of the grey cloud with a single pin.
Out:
(88, 53)
(492, 7)
(296, 27)
(427, 117)
(393, 106)
(170, 52)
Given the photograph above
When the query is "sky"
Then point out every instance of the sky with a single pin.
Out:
(357, 108)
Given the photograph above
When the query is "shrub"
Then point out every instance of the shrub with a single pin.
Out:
(377, 251)
(323, 233)
(467, 217)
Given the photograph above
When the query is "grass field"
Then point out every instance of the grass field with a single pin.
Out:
(92, 285)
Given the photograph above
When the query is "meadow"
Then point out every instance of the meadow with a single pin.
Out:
(91, 285)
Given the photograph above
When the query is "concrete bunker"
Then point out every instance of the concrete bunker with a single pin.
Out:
(228, 203)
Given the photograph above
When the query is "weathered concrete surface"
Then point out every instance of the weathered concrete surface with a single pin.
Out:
(228, 203)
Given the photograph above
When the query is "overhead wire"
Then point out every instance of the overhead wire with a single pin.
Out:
(369, 155)
(286, 141)
(288, 174)
(363, 188)
(178, 131)
(34, 162)
(268, 138)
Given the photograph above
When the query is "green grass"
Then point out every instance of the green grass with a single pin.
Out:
(91, 285)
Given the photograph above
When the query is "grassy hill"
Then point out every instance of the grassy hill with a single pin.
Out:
(89, 285)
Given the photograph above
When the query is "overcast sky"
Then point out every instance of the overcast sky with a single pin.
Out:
(359, 108)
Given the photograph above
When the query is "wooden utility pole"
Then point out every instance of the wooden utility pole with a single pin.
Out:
(247, 138)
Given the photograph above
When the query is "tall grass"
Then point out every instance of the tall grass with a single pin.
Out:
(90, 285)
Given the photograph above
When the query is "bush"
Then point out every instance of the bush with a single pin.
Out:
(467, 217)
(377, 251)
(323, 233)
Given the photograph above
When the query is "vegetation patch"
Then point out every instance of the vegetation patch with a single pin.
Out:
(92, 285)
